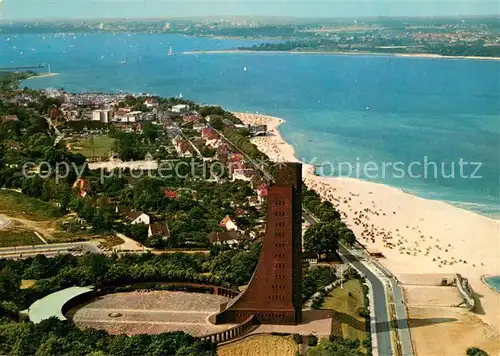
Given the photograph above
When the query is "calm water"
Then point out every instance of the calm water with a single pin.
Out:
(494, 282)
(347, 109)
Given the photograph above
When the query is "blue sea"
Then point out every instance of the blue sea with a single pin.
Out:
(494, 282)
(428, 126)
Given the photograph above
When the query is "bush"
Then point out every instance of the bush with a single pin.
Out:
(364, 312)
(318, 302)
(351, 273)
(367, 343)
(297, 338)
(476, 351)
(277, 333)
(312, 340)
(334, 338)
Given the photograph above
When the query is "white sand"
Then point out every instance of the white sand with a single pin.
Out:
(416, 235)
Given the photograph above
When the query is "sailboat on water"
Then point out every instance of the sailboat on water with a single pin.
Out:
(170, 52)
(180, 95)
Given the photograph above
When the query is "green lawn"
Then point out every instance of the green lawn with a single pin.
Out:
(95, 146)
(16, 204)
(18, 238)
(347, 302)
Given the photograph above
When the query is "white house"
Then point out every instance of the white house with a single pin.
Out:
(228, 224)
(243, 174)
(137, 217)
(101, 115)
(150, 103)
(230, 238)
(133, 116)
(180, 108)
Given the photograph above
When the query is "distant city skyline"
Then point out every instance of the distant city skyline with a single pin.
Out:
(114, 9)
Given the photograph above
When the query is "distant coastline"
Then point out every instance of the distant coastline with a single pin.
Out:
(411, 55)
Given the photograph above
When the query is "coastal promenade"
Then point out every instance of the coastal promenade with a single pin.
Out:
(404, 336)
(379, 317)
(381, 329)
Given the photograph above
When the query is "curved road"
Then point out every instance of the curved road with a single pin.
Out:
(382, 320)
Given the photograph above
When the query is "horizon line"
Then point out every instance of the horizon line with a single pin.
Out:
(164, 18)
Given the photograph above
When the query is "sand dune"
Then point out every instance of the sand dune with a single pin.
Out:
(416, 235)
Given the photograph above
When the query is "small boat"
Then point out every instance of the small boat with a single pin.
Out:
(180, 95)
(368, 108)
(170, 52)
(244, 69)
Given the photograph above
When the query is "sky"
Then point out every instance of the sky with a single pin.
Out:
(97, 9)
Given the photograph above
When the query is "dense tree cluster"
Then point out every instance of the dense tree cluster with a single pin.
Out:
(55, 337)
(330, 217)
(242, 142)
(342, 347)
(315, 279)
(229, 267)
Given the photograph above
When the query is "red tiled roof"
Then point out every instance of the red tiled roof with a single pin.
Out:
(8, 118)
(262, 190)
(224, 221)
(191, 119)
(235, 157)
(209, 134)
(184, 146)
(247, 172)
(172, 194)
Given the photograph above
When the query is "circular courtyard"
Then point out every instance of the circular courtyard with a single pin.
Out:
(151, 312)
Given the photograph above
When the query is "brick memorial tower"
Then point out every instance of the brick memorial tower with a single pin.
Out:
(274, 294)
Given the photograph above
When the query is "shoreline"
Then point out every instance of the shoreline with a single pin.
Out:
(417, 236)
(46, 75)
(366, 54)
(275, 123)
(485, 277)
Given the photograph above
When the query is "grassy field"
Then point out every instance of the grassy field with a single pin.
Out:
(18, 205)
(347, 302)
(260, 345)
(10, 238)
(95, 146)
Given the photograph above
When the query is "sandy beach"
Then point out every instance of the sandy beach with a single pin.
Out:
(339, 53)
(417, 236)
(43, 75)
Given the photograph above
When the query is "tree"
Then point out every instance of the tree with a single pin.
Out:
(312, 340)
(10, 284)
(321, 238)
(216, 122)
(475, 351)
(150, 131)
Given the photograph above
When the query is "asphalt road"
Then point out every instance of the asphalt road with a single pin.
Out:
(382, 321)
(401, 314)
(48, 249)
